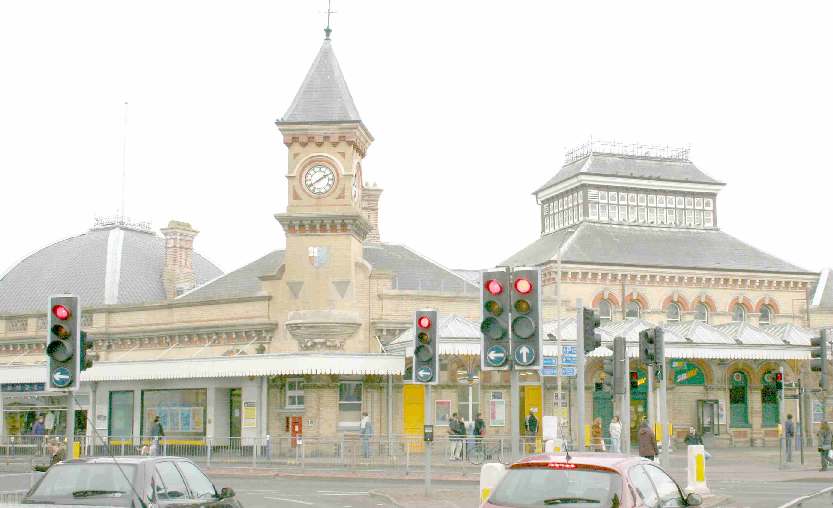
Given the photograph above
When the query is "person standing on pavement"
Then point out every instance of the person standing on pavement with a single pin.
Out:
(479, 427)
(647, 441)
(38, 428)
(531, 425)
(825, 436)
(156, 432)
(615, 435)
(456, 433)
(366, 432)
(789, 435)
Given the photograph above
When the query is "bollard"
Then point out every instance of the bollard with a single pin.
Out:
(697, 470)
(490, 475)
(208, 451)
(587, 436)
(553, 446)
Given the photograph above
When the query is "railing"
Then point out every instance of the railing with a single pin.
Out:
(816, 496)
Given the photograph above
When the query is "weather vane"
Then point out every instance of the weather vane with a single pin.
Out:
(328, 30)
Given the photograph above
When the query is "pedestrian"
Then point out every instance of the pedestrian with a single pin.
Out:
(38, 428)
(479, 427)
(692, 438)
(57, 452)
(825, 436)
(615, 435)
(789, 435)
(531, 426)
(156, 432)
(647, 441)
(597, 443)
(366, 432)
(456, 432)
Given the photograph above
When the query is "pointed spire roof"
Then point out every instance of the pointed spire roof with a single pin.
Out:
(323, 96)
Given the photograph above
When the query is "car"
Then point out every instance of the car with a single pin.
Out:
(139, 481)
(586, 480)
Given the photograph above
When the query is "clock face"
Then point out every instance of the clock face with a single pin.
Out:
(319, 179)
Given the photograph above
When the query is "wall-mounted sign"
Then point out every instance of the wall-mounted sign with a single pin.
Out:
(249, 415)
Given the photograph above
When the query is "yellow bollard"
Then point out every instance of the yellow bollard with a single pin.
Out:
(587, 435)
(76, 450)
(697, 470)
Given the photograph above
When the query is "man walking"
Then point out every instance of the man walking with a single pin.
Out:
(156, 432)
(456, 432)
(531, 425)
(366, 432)
(789, 434)
(647, 441)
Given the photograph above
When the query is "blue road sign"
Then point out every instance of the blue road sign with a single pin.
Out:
(568, 350)
(568, 371)
(549, 368)
(496, 356)
(425, 374)
(524, 355)
(61, 377)
(568, 360)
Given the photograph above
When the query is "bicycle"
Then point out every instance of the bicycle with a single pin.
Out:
(481, 453)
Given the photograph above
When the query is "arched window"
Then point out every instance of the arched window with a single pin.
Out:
(633, 310)
(738, 313)
(672, 312)
(739, 399)
(701, 313)
(605, 311)
(770, 416)
(766, 315)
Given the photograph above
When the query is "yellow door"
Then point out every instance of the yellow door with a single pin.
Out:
(413, 409)
(533, 400)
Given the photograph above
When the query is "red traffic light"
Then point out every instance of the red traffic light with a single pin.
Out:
(523, 286)
(779, 376)
(635, 376)
(494, 287)
(424, 322)
(61, 312)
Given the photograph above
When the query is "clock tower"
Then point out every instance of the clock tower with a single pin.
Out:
(324, 274)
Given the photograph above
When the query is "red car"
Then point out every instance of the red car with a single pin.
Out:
(588, 480)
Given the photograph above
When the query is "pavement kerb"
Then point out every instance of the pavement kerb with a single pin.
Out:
(387, 497)
(334, 475)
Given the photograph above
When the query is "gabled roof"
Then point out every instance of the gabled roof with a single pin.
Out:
(698, 332)
(106, 266)
(823, 294)
(790, 334)
(631, 167)
(744, 333)
(411, 271)
(612, 244)
(323, 96)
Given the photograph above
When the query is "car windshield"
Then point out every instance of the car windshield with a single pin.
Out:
(533, 487)
(84, 480)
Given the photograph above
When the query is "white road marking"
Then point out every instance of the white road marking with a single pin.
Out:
(6, 475)
(287, 500)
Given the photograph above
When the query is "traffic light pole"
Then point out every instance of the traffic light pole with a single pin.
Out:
(652, 405)
(515, 397)
(70, 437)
(663, 406)
(625, 411)
(580, 362)
(428, 405)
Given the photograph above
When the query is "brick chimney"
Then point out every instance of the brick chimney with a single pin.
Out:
(370, 207)
(178, 276)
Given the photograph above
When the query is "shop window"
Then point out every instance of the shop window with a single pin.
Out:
(468, 401)
(672, 312)
(770, 416)
(738, 313)
(120, 420)
(633, 310)
(605, 311)
(739, 400)
(701, 313)
(349, 404)
(181, 412)
(295, 393)
(766, 316)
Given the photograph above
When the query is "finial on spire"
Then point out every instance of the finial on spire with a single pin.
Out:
(328, 30)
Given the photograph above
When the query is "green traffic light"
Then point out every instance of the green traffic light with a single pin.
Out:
(492, 328)
(523, 327)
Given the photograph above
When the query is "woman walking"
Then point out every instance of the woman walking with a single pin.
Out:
(615, 435)
(825, 436)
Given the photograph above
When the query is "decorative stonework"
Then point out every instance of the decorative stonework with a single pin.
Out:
(322, 330)
(305, 224)
(17, 325)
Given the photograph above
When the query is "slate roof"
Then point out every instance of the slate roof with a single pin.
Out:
(79, 265)
(609, 244)
(631, 167)
(823, 294)
(410, 270)
(323, 96)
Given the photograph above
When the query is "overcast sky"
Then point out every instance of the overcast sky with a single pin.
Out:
(472, 103)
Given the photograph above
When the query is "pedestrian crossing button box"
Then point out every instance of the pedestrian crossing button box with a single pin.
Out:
(428, 433)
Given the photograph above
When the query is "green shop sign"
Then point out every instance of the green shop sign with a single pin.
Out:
(686, 373)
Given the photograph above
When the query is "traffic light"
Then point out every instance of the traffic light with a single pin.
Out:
(591, 321)
(609, 374)
(495, 304)
(62, 343)
(652, 346)
(526, 337)
(779, 381)
(86, 360)
(619, 352)
(634, 377)
(426, 347)
(820, 361)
